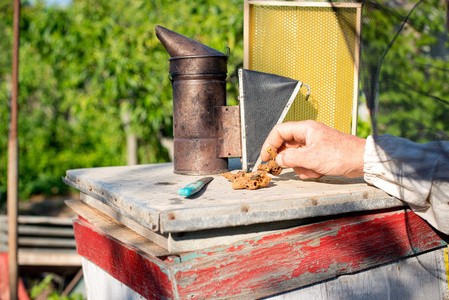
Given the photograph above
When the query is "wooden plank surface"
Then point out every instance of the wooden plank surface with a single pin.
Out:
(52, 257)
(420, 277)
(263, 266)
(42, 241)
(183, 242)
(45, 220)
(97, 207)
(147, 194)
(147, 274)
(307, 254)
(116, 229)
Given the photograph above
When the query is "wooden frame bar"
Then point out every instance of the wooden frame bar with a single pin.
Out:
(358, 6)
(304, 3)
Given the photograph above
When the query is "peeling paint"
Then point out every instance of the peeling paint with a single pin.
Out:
(269, 264)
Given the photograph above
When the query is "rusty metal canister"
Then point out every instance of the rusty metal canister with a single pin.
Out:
(198, 75)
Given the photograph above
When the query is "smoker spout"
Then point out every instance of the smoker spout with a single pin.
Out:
(178, 45)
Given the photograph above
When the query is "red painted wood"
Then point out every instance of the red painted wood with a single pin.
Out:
(4, 281)
(144, 274)
(271, 264)
(308, 254)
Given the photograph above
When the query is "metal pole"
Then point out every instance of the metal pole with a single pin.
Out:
(13, 163)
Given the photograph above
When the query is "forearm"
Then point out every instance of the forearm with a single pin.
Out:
(415, 173)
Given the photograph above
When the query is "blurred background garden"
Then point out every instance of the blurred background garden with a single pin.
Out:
(93, 76)
(92, 73)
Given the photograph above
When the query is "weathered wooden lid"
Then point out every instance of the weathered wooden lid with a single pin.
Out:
(148, 195)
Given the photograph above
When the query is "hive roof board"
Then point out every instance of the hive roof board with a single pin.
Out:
(147, 194)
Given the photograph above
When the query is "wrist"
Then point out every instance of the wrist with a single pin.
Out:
(357, 157)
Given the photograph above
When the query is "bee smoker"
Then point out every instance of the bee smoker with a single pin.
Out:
(198, 75)
(206, 131)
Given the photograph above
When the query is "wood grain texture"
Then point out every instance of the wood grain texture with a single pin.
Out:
(145, 274)
(94, 211)
(415, 278)
(34, 257)
(147, 194)
(310, 254)
(43, 241)
(114, 228)
(418, 277)
(266, 265)
(97, 207)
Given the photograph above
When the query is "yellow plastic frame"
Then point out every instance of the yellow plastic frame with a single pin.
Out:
(316, 43)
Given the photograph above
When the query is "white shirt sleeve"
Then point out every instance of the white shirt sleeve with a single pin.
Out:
(415, 173)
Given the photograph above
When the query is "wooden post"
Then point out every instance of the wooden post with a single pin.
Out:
(13, 163)
(131, 140)
(131, 149)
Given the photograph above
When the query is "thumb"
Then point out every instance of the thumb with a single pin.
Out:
(292, 157)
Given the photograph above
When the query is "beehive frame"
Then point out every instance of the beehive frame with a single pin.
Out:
(314, 42)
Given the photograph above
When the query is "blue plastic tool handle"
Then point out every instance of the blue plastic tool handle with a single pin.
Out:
(191, 188)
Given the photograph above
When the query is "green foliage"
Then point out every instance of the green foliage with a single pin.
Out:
(364, 129)
(413, 89)
(41, 286)
(83, 67)
(46, 285)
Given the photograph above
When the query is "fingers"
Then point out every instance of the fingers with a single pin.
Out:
(294, 157)
(288, 134)
(306, 173)
(314, 149)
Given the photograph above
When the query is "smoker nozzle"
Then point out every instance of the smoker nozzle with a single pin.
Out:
(178, 45)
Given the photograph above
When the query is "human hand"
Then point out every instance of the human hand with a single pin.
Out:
(313, 150)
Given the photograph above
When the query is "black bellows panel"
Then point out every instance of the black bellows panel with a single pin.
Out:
(264, 102)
